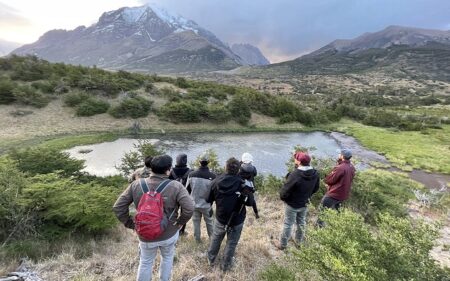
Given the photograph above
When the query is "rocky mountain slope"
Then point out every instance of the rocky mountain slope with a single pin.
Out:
(145, 38)
(396, 51)
(251, 55)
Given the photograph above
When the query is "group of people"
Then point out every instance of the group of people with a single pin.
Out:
(190, 194)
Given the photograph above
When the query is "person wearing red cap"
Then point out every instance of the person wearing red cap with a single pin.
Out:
(300, 185)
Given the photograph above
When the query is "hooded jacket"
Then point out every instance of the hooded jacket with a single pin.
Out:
(225, 190)
(300, 185)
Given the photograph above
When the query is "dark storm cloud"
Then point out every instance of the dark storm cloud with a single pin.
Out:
(10, 17)
(288, 28)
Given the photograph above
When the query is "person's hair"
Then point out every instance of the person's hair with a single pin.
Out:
(161, 164)
(346, 158)
(232, 166)
(204, 163)
(148, 161)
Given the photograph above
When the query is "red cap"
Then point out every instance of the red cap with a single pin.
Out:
(303, 158)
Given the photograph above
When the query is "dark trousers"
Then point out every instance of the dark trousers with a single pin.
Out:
(328, 203)
(233, 236)
(331, 203)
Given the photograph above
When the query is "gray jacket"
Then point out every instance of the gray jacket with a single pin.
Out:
(199, 185)
(175, 197)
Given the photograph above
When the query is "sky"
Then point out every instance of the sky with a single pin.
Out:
(282, 29)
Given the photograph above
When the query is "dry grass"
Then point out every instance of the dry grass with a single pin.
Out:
(116, 256)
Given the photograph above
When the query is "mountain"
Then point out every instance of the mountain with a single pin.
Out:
(390, 36)
(251, 55)
(6, 47)
(145, 38)
(396, 51)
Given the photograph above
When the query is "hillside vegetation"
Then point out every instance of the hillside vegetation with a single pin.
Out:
(31, 89)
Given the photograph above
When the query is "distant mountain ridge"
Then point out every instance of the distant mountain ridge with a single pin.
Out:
(249, 54)
(6, 47)
(396, 50)
(390, 36)
(145, 38)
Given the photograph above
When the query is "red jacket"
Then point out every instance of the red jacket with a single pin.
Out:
(339, 181)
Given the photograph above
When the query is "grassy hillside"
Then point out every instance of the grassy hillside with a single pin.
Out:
(422, 62)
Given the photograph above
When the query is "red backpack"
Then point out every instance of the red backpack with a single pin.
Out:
(150, 220)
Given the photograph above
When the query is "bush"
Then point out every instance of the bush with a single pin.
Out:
(133, 107)
(213, 165)
(30, 96)
(378, 191)
(349, 249)
(44, 160)
(76, 98)
(240, 110)
(47, 87)
(7, 91)
(13, 219)
(92, 107)
(183, 111)
(218, 113)
(64, 205)
(135, 159)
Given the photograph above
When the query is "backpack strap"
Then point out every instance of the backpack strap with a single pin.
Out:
(144, 185)
(162, 185)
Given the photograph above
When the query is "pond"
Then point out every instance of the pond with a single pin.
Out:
(270, 150)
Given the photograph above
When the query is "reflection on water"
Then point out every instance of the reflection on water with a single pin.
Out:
(270, 150)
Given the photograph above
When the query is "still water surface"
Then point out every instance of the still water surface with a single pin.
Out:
(270, 150)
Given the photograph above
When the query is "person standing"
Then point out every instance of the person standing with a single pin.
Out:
(300, 185)
(339, 181)
(248, 173)
(231, 197)
(180, 173)
(143, 172)
(198, 185)
(174, 196)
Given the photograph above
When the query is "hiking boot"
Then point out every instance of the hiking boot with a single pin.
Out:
(278, 245)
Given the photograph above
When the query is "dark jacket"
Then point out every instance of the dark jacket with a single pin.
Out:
(174, 196)
(340, 180)
(247, 171)
(199, 186)
(180, 173)
(299, 187)
(225, 190)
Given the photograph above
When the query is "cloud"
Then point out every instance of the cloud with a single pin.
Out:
(285, 28)
(11, 17)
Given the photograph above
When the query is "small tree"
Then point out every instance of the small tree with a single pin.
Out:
(214, 164)
(135, 159)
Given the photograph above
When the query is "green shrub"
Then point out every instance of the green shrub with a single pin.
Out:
(7, 91)
(30, 96)
(275, 272)
(75, 98)
(13, 219)
(134, 107)
(213, 164)
(63, 204)
(47, 87)
(135, 159)
(183, 111)
(376, 191)
(240, 110)
(348, 249)
(92, 107)
(218, 113)
(44, 160)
